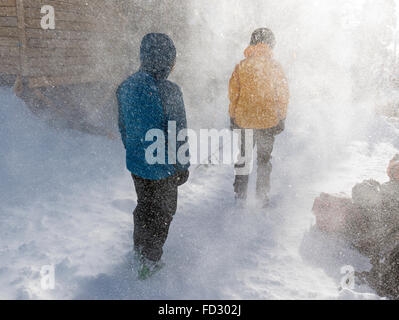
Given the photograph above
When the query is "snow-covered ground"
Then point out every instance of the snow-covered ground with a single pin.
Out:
(66, 200)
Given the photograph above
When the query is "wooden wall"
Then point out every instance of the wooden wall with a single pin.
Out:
(95, 40)
(9, 38)
(66, 55)
(75, 69)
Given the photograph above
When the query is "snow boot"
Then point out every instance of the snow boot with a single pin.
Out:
(148, 268)
(264, 203)
(239, 202)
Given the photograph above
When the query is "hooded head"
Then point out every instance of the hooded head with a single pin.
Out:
(157, 55)
(263, 35)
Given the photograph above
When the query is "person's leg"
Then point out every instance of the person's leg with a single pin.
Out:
(156, 205)
(241, 180)
(139, 214)
(164, 210)
(264, 140)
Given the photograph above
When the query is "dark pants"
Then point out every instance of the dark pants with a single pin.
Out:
(156, 205)
(264, 140)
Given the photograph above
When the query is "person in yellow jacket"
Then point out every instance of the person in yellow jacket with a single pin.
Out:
(259, 97)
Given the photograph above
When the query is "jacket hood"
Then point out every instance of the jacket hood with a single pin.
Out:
(260, 49)
(157, 55)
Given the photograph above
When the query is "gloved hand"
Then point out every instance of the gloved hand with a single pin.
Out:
(182, 177)
(279, 128)
(233, 125)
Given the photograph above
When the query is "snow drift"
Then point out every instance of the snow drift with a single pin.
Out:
(66, 200)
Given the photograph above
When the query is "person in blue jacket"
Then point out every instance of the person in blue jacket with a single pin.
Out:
(148, 101)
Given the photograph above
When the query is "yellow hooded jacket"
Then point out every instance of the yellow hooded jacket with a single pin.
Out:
(258, 90)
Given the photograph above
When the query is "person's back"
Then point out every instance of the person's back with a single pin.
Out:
(259, 96)
(148, 103)
(258, 90)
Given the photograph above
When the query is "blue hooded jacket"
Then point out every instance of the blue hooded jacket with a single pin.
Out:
(148, 101)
